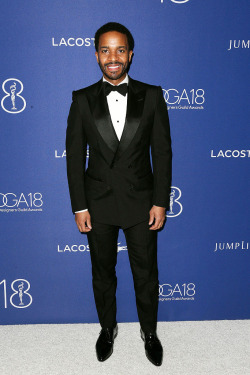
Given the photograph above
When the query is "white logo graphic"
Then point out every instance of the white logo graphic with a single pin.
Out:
(121, 248)
(177, 1)
(82, 248)
(183, 292)
(236, 44)
(73, 248)
(175, 206)
(192, 99)
(62, 154)
(220, 246)
(20, 298)
(231, 154)
(13, 102)
(72, 42)
(10, 202)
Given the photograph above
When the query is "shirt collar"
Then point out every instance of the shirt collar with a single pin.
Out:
(124, 81)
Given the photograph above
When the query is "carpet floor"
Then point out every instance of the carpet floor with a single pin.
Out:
(190, 348)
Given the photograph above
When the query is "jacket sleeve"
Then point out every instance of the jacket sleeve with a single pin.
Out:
(76, 148)
(161, 152)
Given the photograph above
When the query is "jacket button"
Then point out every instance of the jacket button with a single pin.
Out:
(130, 166)
(131, 187)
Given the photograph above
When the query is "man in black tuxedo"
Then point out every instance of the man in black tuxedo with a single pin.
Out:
(120, 119)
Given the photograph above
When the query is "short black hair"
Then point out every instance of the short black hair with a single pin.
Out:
(114, 26)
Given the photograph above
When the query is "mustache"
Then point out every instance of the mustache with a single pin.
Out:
(114, 63)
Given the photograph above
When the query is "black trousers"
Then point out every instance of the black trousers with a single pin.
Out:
(142, 251)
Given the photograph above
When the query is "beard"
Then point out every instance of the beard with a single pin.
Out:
(114, 75)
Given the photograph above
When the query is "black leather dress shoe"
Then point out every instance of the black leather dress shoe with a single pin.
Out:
(105, 343)
(153, 348)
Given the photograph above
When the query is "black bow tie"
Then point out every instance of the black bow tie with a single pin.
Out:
(122, 89)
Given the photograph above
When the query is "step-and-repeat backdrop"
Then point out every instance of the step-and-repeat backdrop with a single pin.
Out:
(198, 51)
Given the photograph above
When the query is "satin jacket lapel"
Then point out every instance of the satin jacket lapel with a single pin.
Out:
(135, 107)
(100, 111)
(102, 119)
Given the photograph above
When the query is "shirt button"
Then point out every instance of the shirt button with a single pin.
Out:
(117, 120)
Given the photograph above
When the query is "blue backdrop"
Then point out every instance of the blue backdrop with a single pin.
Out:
(198, 52)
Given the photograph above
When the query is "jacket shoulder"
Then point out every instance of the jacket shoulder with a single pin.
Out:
(91, 89)
(143, 85)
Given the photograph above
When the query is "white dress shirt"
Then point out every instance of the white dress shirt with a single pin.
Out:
(117, 108)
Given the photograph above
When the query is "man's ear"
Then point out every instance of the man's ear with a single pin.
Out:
(130, 54)
(97, 57)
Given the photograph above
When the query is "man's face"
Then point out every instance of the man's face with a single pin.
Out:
(113, 56)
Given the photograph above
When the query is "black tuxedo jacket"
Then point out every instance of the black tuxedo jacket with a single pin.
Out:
(119, 187)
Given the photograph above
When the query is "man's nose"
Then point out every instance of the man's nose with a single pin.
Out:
(113, 56)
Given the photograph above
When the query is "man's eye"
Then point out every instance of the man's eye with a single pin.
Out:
(104, 50)
(122, 50)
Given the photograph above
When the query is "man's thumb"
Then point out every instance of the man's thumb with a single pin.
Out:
(151, 218)
(89, 223)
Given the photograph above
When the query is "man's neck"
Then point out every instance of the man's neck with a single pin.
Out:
(125, 80)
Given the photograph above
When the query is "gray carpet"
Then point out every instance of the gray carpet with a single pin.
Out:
(190, 348)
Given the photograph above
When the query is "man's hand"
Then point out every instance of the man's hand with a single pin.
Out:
(159, 214)
(83, 221)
